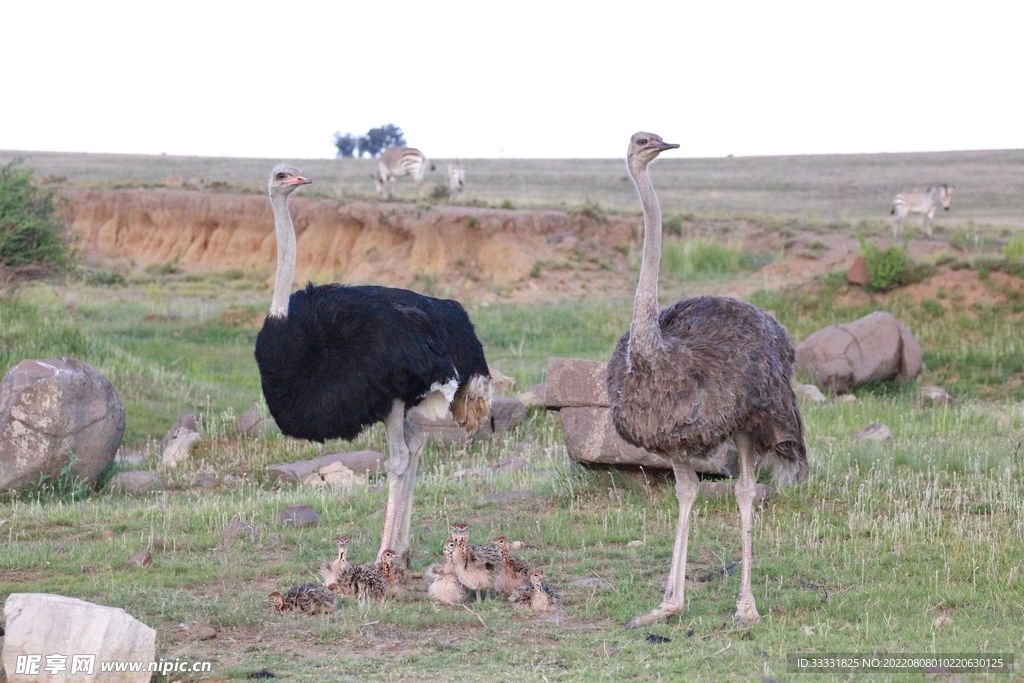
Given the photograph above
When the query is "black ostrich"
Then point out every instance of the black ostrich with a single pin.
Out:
(702, 371)
(335, 359)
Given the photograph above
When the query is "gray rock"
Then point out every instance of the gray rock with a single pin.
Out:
(506, 413)
(935, 396)
(177, 449)
(809, 392)
(872, 349)
(500, 381)
(533, 396)
(575, 383)
(299, 516)
(137, 481)
(360, 462)
(191, 422)
(43, 624)
(873, 432)
(206, 633)
(251, 423)
(50, 409)
(590, 437)
(237, 527)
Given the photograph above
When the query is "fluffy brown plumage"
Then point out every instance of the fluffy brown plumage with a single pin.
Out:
(309, 597)
(535, 595)
(330, 570)
(513, 573)
(445, 586)
(394, 575)
(363, 582)
(476, 566)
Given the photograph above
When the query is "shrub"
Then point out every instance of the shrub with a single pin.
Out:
(1014, 249)
(30, 233)
(440, 193)
(885, 268)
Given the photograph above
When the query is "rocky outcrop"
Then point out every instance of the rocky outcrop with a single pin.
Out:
(40, 624)
(875, 348)
(54, 411)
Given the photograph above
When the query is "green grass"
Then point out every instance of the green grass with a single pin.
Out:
(882, 542)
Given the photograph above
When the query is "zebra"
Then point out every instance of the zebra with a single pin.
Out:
(399, 161)
(456, 177)
(920, 201)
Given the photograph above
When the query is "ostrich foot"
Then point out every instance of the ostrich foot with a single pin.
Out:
(659, 613)
(746, 612)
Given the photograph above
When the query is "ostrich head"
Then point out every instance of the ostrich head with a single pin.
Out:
(643, 148)
(537, 578)
(459, 530)
(449, 549)
(387, 561)
(277, 600)
(284, 179)
(502, 544)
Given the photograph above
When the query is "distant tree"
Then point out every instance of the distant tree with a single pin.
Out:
(346, 144)
(377, 140)
(31, 234)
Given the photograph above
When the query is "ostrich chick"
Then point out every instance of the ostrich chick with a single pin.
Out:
(535, 595)
(476, 566)
(331, 570)
(445, 586)
(394, 574)
(363, 582)
(514, 572)
(309, 597)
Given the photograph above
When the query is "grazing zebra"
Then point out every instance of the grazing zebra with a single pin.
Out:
(399, 161)
(920, 201)
(456, 177)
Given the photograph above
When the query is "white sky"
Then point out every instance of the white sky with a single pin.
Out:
(512, 79)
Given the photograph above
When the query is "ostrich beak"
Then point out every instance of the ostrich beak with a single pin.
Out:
(298, 180)
(667, 145)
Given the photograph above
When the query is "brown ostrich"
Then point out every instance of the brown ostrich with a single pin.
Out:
(476, 566)
(686, 379)
(513, 573)
(309, 597)
(535, 595)
(445, 586)
(363, 582)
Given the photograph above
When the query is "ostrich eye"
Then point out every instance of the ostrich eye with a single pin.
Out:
(281, 176)
(642, 141)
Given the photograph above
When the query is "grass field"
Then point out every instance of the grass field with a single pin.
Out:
(990, 187)
(901, 547)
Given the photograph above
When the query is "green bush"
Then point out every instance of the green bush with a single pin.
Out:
(885, 268)
(1014, 249)
(30, 233)
(703, 259)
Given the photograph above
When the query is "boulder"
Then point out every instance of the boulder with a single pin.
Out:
(506, 413)
(872, 349)
(66, 629)
(576, 383)
(250, 423)
(299, 516)
(136, 481)
(533, 396)
(335, 474)
(500, 381)
(809, 392)
(590, 437)
(50, 409)
(936, 396)
(858, 273)
(360, 462)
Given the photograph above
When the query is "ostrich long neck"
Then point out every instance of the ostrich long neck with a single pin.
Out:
(644, 333)
(285, 256)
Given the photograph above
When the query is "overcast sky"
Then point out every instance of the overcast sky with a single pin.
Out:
(512, 79)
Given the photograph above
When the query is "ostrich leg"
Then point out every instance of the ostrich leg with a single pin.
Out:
(746, 610)
(687, 486)
(401, 470)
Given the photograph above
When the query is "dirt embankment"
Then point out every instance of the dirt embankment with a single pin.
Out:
(456, 251)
